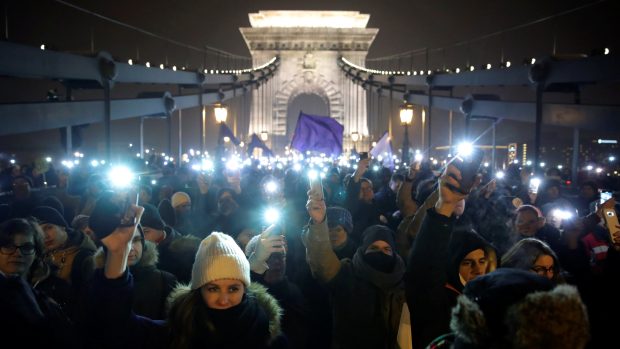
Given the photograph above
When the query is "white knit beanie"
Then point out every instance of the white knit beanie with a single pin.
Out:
(219, 257)
(179, 198)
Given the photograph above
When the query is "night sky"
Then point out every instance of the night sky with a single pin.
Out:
(403, 26)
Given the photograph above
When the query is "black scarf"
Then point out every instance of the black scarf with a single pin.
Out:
(384, 281)
(242, 326)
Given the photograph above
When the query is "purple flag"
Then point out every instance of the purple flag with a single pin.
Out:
(257, 143)
(318, 133)
(225, 131)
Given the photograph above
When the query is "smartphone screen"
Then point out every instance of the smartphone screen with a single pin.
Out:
(611, 221)
(129, 217)
(534, 184)
(605, 195)
(315, 183)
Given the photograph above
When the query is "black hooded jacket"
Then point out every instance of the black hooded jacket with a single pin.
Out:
(432, 281)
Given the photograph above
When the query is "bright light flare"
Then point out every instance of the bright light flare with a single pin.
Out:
(562, 214)
(120, 177)
(500, 175)
(272, 215)
(465, 148)
(271, 187)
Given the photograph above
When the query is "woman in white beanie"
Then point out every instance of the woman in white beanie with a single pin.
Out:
(219, 308)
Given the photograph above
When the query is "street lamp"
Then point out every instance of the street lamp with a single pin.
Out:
(221, 112)
(406, 116)
(355, 136)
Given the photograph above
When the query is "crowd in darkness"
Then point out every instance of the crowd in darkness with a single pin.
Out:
(372, 258)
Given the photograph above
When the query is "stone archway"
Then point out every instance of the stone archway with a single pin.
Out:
(307, 82)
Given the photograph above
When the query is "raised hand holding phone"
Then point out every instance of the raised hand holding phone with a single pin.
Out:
(450, 191)
(468, 166)
(118, 244)
(316, 204)
(315, 183)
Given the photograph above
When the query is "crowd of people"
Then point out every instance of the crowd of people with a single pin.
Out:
(258, 257)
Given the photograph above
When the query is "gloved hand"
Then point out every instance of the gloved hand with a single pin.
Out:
(267, 244)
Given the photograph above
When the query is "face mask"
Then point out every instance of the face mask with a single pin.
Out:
(380, 261)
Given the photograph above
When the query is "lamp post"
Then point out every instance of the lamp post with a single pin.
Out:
(406, 116)
(221, 113)
(355, 136)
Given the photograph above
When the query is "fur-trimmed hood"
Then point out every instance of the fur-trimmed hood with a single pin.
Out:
(256, 291)
(523, 314)
(150, 256)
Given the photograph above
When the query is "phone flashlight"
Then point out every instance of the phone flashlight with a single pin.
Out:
(606, 195)
(271, 187)
(534, 184)
(272, 215)
(121, 177)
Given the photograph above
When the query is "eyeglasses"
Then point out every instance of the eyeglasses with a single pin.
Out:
(25, 249)
(542, 271)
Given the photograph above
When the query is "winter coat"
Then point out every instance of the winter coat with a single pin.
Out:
(367, 304)
(432, 280)
(31, 318)
(296, 316)
(74, 261)
(177, 253)
(255, 323)
(151, 285)
(364, 214)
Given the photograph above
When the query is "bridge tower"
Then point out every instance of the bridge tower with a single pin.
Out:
(309, 44)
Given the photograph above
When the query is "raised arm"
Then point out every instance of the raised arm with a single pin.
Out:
(323, 262)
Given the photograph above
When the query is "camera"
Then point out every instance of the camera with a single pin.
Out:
(363, 155)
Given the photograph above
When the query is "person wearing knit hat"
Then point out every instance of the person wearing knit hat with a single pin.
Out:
(267, 256)
(340, 225)
(182, 205)
(176, 251)
(180, 198)
(152, 286)
(219, 308)
(153, 224)
(442, 261)
(54, 227)
(70, 251)
(367, 291)
(220, 258)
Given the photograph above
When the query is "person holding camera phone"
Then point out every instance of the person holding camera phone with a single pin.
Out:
(360, 201)
(603, 286)
(267, 253)
(367, 291)
(443, 261)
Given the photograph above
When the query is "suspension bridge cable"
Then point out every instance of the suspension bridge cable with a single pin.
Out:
(486, 36)
(151, 34)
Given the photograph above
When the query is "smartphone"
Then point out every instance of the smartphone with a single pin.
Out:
(469, 166)
(611, 221)
(316, 184)
(605, 195)
(129, 218)
(534, 184)
(363, 155)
